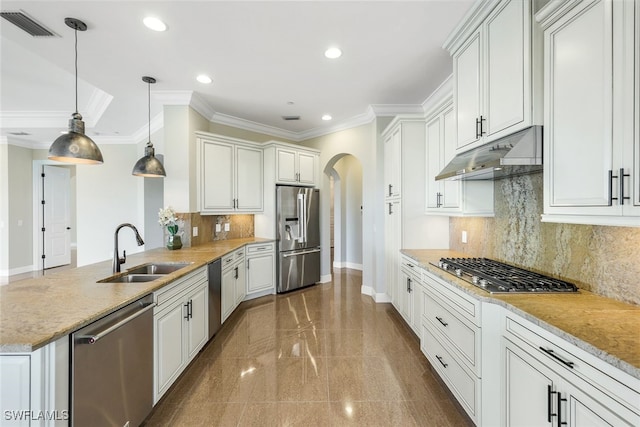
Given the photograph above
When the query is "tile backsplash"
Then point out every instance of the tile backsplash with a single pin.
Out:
(240, 226)
(603, 260)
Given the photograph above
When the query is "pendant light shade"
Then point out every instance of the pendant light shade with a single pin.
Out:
(75, 146)
(149, 166)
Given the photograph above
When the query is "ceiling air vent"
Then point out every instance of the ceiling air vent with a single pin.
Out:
(19, 133)
(27, 23)
(288, 118)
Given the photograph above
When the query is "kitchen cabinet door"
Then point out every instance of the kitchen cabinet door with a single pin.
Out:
(15, 387)
(169, 350)
(405, 297)
(241, 282)
(529, 390)
(249, 176)
(228, 298)
(392, 246)
(589, 171)
(467, 90)
(434, 161)
(307, 168)
(507, 98)
(287, 170)
(260, 272)
(218, 176)
(198, 322)
(393, 164)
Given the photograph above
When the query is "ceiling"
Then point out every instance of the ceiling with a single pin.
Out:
(266, 59)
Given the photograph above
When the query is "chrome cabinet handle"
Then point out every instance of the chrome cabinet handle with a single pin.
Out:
(477, 125)
(558, 358)
(438, 202)
(390, 208)
(390, 187)
(482, 131)
(186, 305)
(611, 178)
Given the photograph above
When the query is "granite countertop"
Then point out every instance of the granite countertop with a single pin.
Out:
(603, 327)
(36, 312)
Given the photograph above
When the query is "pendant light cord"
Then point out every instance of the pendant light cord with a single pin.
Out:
(76, 67)
(149, 110)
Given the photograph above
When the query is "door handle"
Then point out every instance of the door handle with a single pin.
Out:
(622, 177)
(441, 362)
(560, 400)
(390, 187)
(550, 403)
(439, 319)
(558, 358)
(69, 228)
(92, 339)
(313, 251)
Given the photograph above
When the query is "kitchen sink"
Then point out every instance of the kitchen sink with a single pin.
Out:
(132, 278)
(157, 268)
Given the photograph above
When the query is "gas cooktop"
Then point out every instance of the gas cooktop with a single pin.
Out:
(497, 277)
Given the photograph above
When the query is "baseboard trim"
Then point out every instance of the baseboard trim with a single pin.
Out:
(326, 278)
(378, 297)
(346, 264)
(19, 270)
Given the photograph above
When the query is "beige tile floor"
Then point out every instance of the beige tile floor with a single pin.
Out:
(323, 356)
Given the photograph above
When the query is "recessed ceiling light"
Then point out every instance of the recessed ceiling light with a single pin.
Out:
(203, 78)
(154, 24)
(333, 53)
(326, 117)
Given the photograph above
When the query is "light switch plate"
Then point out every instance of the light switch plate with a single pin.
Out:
(195, 232)
(464, 237)
(218, 228)
(227, 226)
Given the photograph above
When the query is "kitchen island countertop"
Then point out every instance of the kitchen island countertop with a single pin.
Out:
(603, 327)
(35, 312)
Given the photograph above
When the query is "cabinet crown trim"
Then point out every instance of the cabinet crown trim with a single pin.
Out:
(221, 138)
(278, 144)
(470, 23)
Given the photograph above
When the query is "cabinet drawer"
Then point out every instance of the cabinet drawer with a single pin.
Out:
(462, 384)
(238, 254)
(179, 285)
(257, 249)
(462, 336)
(410, 265)
(228, 260)
(567, 359)
(462, 304)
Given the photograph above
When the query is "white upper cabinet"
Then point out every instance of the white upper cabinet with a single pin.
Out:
(230, 175)
(295, 166)
(496, 68)
(591, 118)
(445, 197)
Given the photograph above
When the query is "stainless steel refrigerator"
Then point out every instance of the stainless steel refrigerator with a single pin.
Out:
(298, 237)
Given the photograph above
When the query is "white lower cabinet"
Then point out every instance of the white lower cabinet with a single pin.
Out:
(408, 290)
(180, 327)
(260, 268)
(548, 381)
(34, 387)
(451, 340)
(233, 282)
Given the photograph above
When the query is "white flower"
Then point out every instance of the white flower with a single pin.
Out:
(167, 216)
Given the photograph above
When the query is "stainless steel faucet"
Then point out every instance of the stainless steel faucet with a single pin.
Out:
(117, 261)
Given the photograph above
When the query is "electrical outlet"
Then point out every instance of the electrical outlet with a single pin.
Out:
(464, 237)
(218, 228)
(195, 232)
(227, 226)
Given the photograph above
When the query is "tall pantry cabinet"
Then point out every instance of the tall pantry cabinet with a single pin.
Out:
(406, 226)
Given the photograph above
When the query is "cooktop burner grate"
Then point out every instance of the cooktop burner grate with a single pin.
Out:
(497, 277)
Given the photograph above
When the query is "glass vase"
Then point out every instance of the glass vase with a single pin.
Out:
(174, 242)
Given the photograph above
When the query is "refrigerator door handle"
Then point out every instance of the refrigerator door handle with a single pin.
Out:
(302, 216)
(290, 254)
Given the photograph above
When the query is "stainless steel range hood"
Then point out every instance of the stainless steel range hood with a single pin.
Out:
(517, 154)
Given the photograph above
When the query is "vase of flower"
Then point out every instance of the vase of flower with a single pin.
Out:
(167, 218)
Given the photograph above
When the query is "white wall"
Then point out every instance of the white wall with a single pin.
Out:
(108, 195)
(360, 142)
(20, 215)
(350, 221)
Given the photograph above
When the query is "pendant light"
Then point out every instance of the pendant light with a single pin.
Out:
(75, 146)
(149, 166)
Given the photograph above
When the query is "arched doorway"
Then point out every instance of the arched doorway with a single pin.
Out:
(345, 175)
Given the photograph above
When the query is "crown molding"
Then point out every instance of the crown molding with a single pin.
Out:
(439, 97)
(390, 110)
(359, 120)
(249, 125)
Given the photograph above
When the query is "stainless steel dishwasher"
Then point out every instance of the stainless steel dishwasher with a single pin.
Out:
(112, 368)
